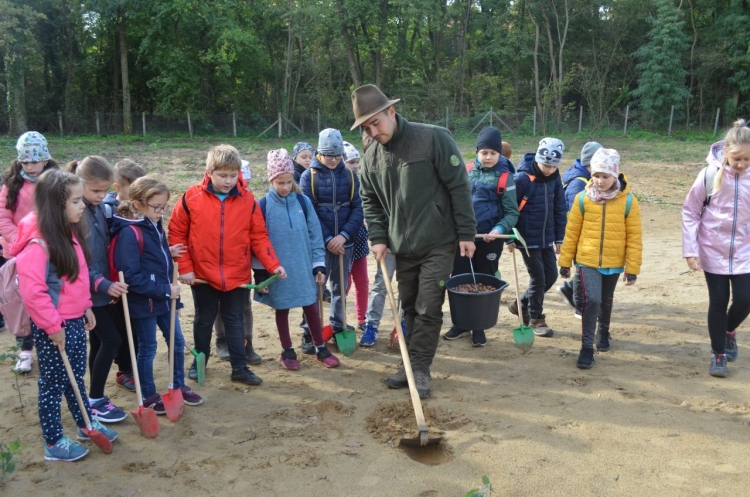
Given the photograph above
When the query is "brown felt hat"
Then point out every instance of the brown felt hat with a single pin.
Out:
(367, 101)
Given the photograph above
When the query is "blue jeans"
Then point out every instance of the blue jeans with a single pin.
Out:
(378, 291)
(145, 328)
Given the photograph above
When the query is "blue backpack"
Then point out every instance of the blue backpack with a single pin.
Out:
(302, 203)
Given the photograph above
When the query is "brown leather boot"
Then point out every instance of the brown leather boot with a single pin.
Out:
(540, 327)
(513, 308)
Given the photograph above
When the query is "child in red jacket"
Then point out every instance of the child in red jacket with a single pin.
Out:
(221, 224)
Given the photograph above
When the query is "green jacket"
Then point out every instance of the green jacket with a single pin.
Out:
(415, 191)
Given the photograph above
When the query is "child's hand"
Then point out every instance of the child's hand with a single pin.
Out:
(565, 272)
(175, 293)
(281, 272)
(116, 289)
(89, 320)
(320, 278)
(557, 248)
(511, 247)
(58, 338)
(629, 279)
(336, 245)
(177, 250)
(488, 238)
(187, 278)
(693, 263)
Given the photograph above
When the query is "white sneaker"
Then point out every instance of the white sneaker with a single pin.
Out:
(25, 358)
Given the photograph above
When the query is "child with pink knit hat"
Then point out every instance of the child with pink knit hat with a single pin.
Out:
(294, 231)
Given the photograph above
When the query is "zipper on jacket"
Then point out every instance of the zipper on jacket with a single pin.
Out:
(400, 206)
(150, 305)
(546, 215)
(601, 241)
(734, 223)
(335, 205)
(288, 216)
(221, 248)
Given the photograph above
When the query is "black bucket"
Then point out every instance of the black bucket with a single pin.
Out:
(475, 311)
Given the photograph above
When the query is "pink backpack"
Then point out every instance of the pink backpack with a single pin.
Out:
(11, 305)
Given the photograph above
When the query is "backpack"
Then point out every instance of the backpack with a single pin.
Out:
(529, 192)
(582, 178)
(11, 303)
(113, 272)
(502, 180)
(302, 203)
(628, 202)
(313, 172)
(708, 183)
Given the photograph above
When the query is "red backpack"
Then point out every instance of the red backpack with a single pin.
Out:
(113, 271)
(11, 304)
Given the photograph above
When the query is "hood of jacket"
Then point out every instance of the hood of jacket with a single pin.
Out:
(715, 155)
(27, 229)
(578, 170)
(503, 164)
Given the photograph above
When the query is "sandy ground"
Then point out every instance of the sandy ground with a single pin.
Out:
(646, 418)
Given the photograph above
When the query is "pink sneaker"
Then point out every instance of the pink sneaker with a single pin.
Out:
(289, 360)
(329, 360)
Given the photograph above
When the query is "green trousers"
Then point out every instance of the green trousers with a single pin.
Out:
(421, 286)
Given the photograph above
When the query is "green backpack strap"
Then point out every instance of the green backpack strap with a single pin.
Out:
(628, 202)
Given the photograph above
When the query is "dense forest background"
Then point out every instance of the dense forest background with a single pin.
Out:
(259, 58)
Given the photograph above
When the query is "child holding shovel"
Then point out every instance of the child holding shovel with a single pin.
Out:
(603, 236)
(220, 221)
(141, 252)
(53, 277)
(493, 193)
(295, 232)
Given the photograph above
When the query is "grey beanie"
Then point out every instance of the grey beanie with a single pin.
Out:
(587, 152)
(550, 152)
(330, 142)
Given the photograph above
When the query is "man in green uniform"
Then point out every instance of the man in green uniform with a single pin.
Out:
(417, 202)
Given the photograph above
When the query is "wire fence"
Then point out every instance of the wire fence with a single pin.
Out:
(257, 125)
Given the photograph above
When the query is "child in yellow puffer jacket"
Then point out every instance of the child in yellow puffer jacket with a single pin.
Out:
(604, 237)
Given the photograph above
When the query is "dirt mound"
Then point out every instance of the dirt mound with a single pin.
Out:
(393, 420)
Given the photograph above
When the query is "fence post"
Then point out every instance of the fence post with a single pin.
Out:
(490, 116)
(190, 125)
(280, 125)
(318, 120)
(671, 115)
(716, 124)
(98, 129)
(143, 123)
(625, 130)
(234, 124)
(59, 121)
(580, 119)
(534, 131)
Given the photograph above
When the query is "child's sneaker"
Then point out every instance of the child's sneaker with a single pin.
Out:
(329, 360)
(106, 412)
(154, 402)
(731, 347)
(567, 291)
(369, 336)
(478, 338)
(126, 381)
(23, 365)
(540, 327)
(289, 359)
(718, 365)
(327, 295)
(96, 425)
(586, 358)
(245, 376)
(307, 346)
(602, 344)
(189, 397)
(64, 450)
(361, 326)
(455, 332)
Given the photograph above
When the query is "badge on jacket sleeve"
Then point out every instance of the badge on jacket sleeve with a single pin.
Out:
(455, 161)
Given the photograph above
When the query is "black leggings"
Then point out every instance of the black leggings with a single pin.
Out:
(719, 319)
(105, 342)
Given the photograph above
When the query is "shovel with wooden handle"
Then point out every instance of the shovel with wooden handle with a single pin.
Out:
(423, 435)
(523, 336)
(173, 401)
(515, 236)
(346, 339)
(145, 417)
(96, 436)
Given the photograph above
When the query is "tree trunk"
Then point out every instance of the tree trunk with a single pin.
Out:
(537, 89)
(127, 121)
(348, 45)
(553, 71)
(287, 68)
(15, 87)
(462, 58)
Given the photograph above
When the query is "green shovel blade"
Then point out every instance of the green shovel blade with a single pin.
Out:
(524, 337)
(200, 366)
(346, 341)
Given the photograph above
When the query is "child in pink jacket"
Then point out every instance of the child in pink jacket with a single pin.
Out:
(716, 239)
(17, 200)
(52, 261)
